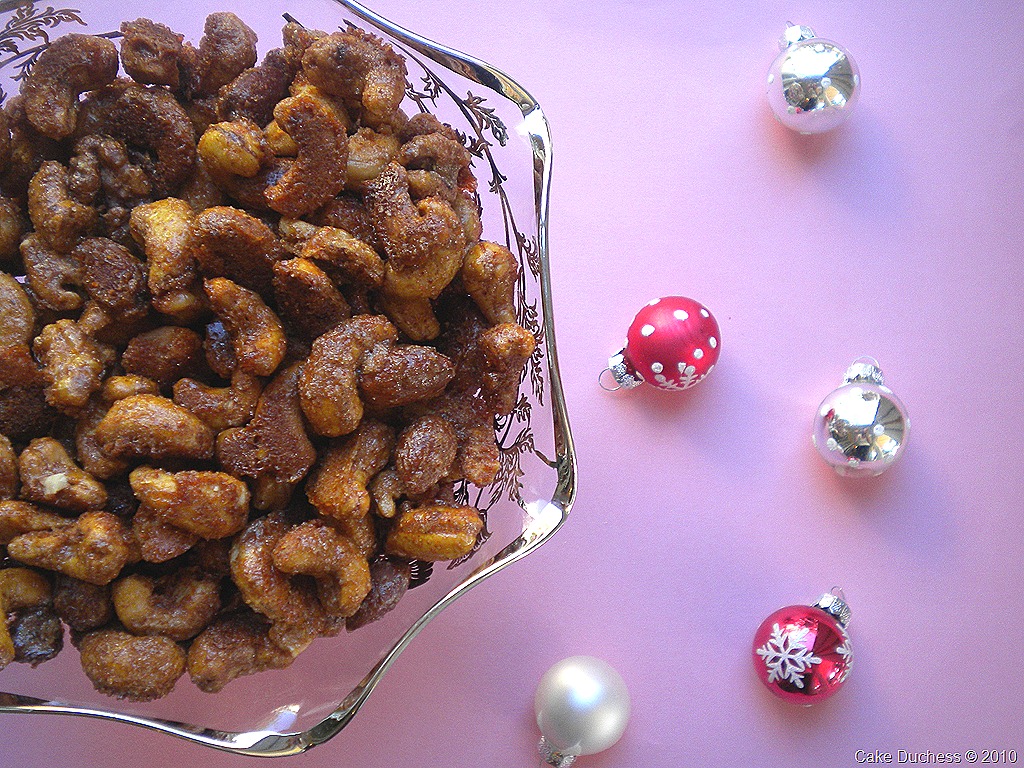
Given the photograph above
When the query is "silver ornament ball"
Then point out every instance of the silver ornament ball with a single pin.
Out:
(813, 84)
(582, 708)
(861, 428)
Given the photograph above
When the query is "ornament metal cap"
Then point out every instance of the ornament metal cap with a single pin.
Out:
(626, 377)
(864, 369)
(795, 33)
(552, 756)
(835, 605)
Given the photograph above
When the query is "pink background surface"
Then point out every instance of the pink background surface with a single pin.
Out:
(699, 513)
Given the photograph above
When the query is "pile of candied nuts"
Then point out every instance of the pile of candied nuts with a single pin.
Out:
(254, 343)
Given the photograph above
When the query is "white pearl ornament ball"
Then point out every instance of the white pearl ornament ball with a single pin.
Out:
(582, 707)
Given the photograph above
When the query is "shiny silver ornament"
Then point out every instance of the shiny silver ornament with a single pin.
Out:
(813, 83)
(582, 708)
(861, 428)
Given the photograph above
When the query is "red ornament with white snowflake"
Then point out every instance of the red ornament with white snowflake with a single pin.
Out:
(802, 652)
(673, 343)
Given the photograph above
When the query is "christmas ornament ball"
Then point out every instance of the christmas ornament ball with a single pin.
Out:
(673, 343)
(582, 707)
(813, 84)
(802, 653)
(861, 428)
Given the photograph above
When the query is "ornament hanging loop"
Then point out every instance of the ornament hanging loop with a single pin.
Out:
(602, 381)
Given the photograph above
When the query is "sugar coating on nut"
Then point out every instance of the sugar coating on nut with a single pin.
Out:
(220, 407)
(338, 487)
(328, 385)
(158, 540)
(256, 333)
(131, 667)
(211, 505)
(435, 532)
(144, 426)
(177, 605)
(68, 66)
(50, 476)
(94, 548)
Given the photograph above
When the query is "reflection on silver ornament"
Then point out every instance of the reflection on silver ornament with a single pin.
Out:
(813, 83)
(861, 428)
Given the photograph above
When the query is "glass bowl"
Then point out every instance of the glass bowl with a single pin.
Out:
(284, 712)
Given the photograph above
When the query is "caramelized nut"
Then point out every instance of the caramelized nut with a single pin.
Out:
(424, 453)
(150, 52)
(177, 605)
(389, 580)
(113, 278)
(327, 388)
(338, 487)
(231, 647)
(164, 354)
(414, 317)
(17, 316)
(164, 230)
(82, 606)
(52, 276)
(144, 426)
(18, 517)
(220, 407)
(359, 68)
(342, 574)
(159, 541)
(68, 66)
(220, 355)
(385, 489)
(227, 48)
(424, 241)
(368, 153)
(231, 243)
(274, 446)
(72, 362)
(435, 532)
(318, 172)
(87, 448)
(130, 667)
(55, 214)
(255, 92)
(94, 548)
(257, 335)
(49, 476)
(307, 298)
(211, 505)
(490, 273)
(344, 256)
(401, 374)
(149, 119)
(292, 608)
(236, 148)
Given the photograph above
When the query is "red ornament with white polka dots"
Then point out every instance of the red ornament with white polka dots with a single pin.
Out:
(673, 343)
